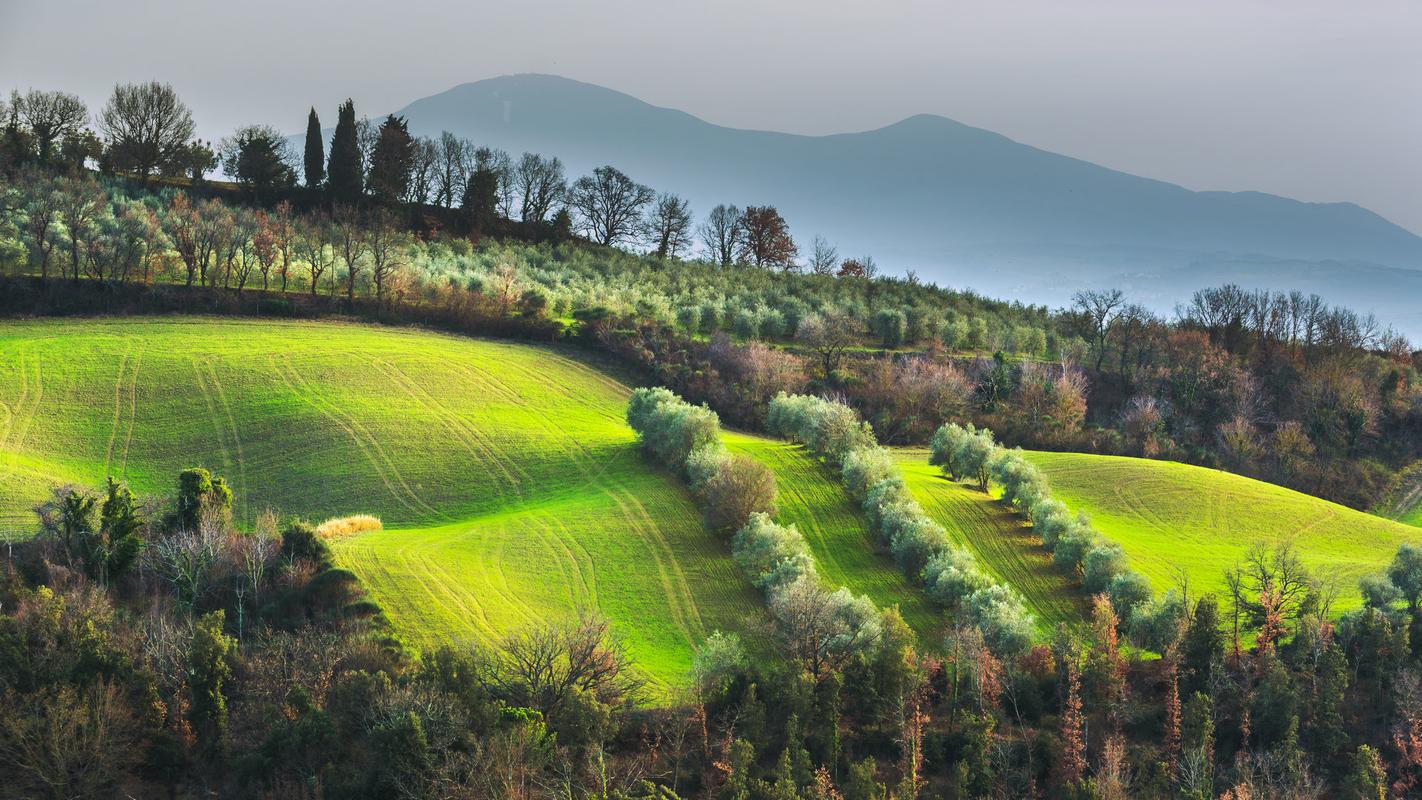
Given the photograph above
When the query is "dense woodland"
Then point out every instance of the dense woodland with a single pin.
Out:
(148, 646)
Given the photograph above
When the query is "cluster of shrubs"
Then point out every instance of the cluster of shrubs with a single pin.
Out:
(921, 547)
(1076, 546)
(738, 496)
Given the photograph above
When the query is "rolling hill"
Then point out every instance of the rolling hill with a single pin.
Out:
(1175, 519)
(960, 205)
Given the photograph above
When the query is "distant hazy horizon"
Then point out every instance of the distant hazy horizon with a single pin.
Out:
(1311, 100)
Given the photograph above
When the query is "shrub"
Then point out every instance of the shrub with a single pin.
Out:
(1022, 484)
(1102, 563)
(703, 463)
(866, 467)
(1127, 590)
(952, 575)
(1005, 624)
(769, 554)
(741, 487)
(943, 449)
(882, 496)
(1050, 519)
(337, 527)
(916, 540)
(689, 319)
(1072, 546)
(1155, 624)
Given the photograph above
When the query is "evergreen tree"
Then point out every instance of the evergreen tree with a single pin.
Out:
(343, 171)
(481, 197)
(391, 161)
(315, 151)
(208, 671)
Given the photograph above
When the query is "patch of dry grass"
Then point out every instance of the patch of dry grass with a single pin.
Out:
(338, 527)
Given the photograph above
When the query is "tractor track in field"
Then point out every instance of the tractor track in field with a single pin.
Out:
(303, 392)
(232, 426)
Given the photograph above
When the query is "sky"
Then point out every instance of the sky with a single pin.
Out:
(1320, 101)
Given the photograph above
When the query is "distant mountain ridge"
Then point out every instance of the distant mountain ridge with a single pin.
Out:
(959, 205)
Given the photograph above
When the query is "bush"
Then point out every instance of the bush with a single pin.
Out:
(943, 449)
(1072, 546)
(1127, 590)
(1102, 563)
(952, 575)
(741, 487)
(1022, 484)
(703, 463)
(1155, 624)
(769, 554)
(865, 468)
(916, 540)
(1050, 519)
(1005, 624)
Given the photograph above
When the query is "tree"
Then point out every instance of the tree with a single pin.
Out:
(351, 245)
(452, 168)
(424, 163)
(41, 202)
(1405, 572)
(386, 243)
(540, 185)
(345, 175)
(828, 335)
(209, 672)
(50, 117)
(721, 234)
(480, 198)
(193, 161)
(741, 487)
(391, 160)
(824, 257)
(609, 205)
(1098, 308)
(766, 239)
(260, 159)
(669, 226)
(313, 243)
(81, 204)
(146, 126)
(315, 160)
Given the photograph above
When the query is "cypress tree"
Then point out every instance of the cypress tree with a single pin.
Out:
(343, 171)
(315, 151)
(391, 161)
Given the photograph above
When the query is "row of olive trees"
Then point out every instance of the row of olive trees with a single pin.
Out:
(824, 628)
(1076, 546)
(920, 546)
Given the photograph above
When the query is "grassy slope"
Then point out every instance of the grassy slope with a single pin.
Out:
(509, 467)
(1168, 515)
(1002, 542)
(810, 496)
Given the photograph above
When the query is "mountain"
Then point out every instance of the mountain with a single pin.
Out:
(959, 205)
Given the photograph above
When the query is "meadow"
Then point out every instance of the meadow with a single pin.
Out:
(510, 488)
(1180, 522)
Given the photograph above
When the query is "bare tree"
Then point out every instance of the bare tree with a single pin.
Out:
(50, 116)
(609, 205)
(348, 236)
(146, 126)
(669, 226)
(313, 243)
(501, 164)
(1098, 308)
(827, 334)
(824, 257)
(543, 667)
(540, 185)
(367, 135)
(81, 202)
(823, 629)
(41, 201)
(386, 242)
(453, 165)
(424, 171)
(721, 234)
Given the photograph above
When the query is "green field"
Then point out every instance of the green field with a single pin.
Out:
(1002, 542)
(1171, 517)
(511, 489)
(810, 496)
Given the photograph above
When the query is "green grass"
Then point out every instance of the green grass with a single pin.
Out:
(810, 496)
(1170, 517)
(1002, 542)
(511, 489)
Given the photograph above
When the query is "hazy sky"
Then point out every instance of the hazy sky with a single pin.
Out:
(1314, 100)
